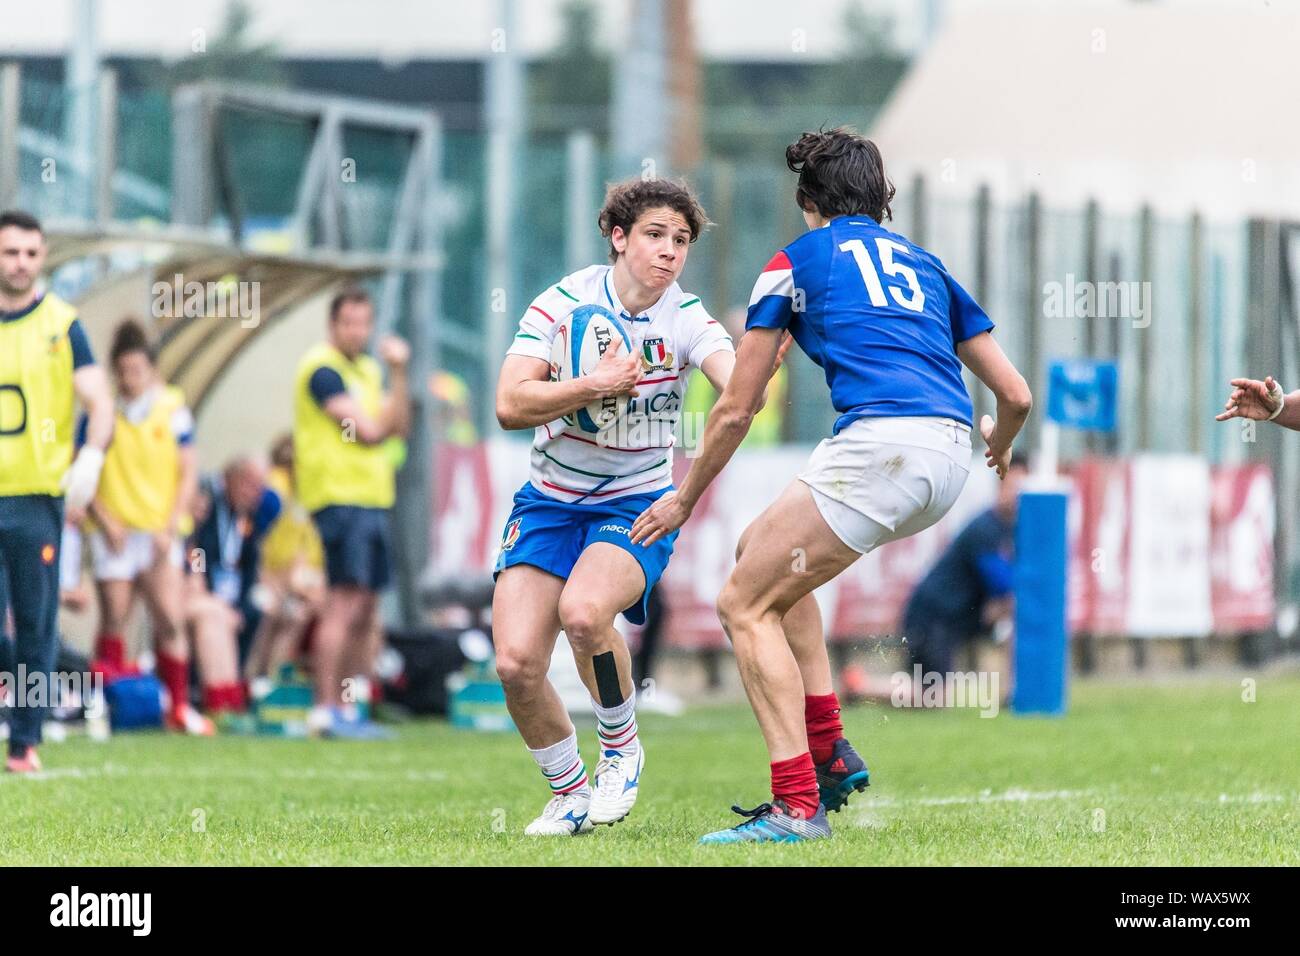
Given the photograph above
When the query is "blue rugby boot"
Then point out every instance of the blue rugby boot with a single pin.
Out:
(772, 823)
(844, 773)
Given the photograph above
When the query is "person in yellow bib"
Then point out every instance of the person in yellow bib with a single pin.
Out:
(46, 368)
(292, 579)
(141, 514)
(344, 426)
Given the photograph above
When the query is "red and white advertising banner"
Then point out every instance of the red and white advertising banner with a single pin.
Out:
(1160, 545)
(1079, 559)
(1100, 552)
(1166, 547)
(1242, 520)
(1169, 547)
(464, 532)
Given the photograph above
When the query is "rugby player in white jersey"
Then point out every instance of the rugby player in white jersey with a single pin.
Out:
(566, 559)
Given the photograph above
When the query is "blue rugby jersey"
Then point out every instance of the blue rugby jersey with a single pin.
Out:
(880, 315)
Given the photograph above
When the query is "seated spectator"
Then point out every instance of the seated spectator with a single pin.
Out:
(291, 587)
(227, 544)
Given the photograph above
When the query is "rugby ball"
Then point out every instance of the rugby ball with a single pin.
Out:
(580, 341)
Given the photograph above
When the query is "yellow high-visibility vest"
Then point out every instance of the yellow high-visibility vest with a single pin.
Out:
(330, 466)
(141, 476)
(37, 401)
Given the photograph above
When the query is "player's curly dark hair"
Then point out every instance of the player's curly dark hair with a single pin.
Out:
(626, 201)
(840, 174)
(128, 337)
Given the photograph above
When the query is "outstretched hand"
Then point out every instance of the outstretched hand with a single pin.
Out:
(1251, 398)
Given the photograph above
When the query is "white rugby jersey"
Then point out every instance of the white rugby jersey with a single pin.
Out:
(635, 456)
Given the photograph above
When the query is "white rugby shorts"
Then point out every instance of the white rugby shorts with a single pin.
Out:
(881, 479)
(133, 560)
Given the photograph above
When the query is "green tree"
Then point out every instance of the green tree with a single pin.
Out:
(757, 109)
(571, 85)
(232, 54)
(867, 69)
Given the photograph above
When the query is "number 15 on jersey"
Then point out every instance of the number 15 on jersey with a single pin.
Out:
(911, 298)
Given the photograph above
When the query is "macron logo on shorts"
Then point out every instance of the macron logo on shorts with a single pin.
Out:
(616, 528)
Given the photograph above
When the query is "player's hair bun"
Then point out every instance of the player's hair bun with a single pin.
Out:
(840, 174)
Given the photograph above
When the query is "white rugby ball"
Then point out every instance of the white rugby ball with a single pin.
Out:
(580, 341)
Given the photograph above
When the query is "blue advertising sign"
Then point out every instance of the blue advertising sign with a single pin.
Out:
(1082, 394)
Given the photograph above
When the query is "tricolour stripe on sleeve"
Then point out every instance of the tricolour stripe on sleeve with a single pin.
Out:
(777, 278)
(778, 262)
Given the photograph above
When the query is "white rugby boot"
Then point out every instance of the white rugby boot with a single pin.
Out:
(618, 778)
(565, 814)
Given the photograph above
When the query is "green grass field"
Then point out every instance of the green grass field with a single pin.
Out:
(1140, 774)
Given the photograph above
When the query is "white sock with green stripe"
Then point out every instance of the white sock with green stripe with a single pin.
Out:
(562, 766)
(616, 727)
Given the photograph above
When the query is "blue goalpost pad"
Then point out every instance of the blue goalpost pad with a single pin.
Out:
(1039, 662)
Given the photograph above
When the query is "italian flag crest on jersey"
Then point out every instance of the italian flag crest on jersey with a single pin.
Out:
(655, 355)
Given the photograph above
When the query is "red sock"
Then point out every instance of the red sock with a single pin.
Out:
(220, 698)
(795, 782)
(174, 672)
(111, 649)
(822, 715)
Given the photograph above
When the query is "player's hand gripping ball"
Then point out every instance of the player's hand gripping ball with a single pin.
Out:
(592, 342)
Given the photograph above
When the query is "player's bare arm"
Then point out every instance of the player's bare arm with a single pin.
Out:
(526, 397)
(187, 487)
(394, 418)
(90, 385)
(93, 392)
(1262, 401)
(396, 415)
(728, 423)
(985, 358)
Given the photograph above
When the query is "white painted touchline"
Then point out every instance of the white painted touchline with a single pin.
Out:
(246, 773)
(1016, 795)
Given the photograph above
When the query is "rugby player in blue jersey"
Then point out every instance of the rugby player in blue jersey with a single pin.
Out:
(891, 329)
